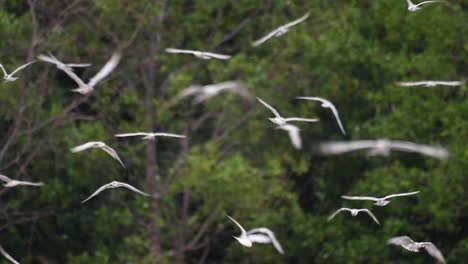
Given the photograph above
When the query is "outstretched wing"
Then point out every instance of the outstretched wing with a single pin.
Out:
(218, 56)
(436, 152)
(48, 59)
(403, 241)
(300, 119)
(73, 75)
(4, 178)
(106, 70)
(162, 134)
(454, 83)
(433, 251)
(429, 2)
(399, 194)
(235, 222)
(128, 186)
(297, 21)
(294, 135)
(269, 107)
(172, 50)
(337, 212)
(22, 67)
(85, 146)
(3, 69)
(112, 152)
(270, 237)
(7, 256)
(265, 38)
(102, 188)
(371, 215)
(408, 84)
(136, 134)
(369, 198)
(329, 148)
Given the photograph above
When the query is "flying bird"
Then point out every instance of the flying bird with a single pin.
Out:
(280, 30)
(146, 135)
(381, 147)
(7, 256)
(115, 184)
(408, 244)
(200, 54)
(281, 121)
(12, 183)
(51, 59)
(263, 235)
(413, 8)
(354, 212)
(378, 201)
(294, 134)
(99, 145)
(205, 92)
(9, 77)
(242, 239)
(431, 83)
(326, 104)
(85, 88)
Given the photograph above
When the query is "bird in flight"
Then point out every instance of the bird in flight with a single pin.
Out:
(353, 212)
(294, 134)
(9, 77)
(280, 30)
(12, 183)
(69, 66)
(326, 104)
(263, 235)
(408, 244)
(381, 147)
(115, 184)
(242, 239)
(281, 121)
(7, 256)
(205, 92)
(85, 88)
(200, 54)
(378, 201)
(146, 135)
(431, 83)
(99, 145)
(413, 8)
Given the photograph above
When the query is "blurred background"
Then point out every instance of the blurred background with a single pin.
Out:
(233, 161)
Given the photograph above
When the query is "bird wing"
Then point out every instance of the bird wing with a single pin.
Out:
(136, 134)
(4, 178)
(273, 110)
(399, 194)
(337, 212)
(338, 147)
(3, 69)
(217, 56)
(337, 117)
(370, 198)
(128, 186)
(371, 215)
(300, 119)
(102, 188)
(294, 135)
(30, 183)
(48, 59)
(7, 256)
(297, 21)
(172, 50)
(73, 75)
(83, 146)
(265, 38)
(112, 152)
(454, 83)
(407, 84)
(22, 67)
(436, 152)
(191, 90)
(403, 241)
(106, 70)
(162, 134)
(241, 228)
(265, 235)
(311, 98)
(433, 251)
(429, 2)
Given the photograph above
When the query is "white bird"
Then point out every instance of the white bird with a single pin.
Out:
(413, 8)
(99, 145)
(326, 104)
(382, 147)
(200, 54)
(430, 83)
(408, 244)
(280, 30)
(205, 92)
(378, 201)
(242, 239)
(146, 135)
(264, 235)
(9, 77)
(85, 88)
(115, 184)
(354, 212)
(281, 121)
(51, 59)
(294, 134)
(12, 183)
(7, 256)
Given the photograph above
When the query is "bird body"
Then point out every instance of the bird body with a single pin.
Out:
(408, 244)
(200, 54)
(378, 201)
(98, 145)
(329, 105)
(415, 7)
(280, 30)
(264, 235)
(354, 212)
(113, 185)
(9, 77)
(13, 183)
(242, 239)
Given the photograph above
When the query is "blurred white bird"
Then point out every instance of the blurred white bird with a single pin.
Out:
(381, 147)
(294, 134)
(115, 184)
(408, 244)
(430, 83)
(85, 88)
(7, 256)
(263, 235)
(326, 104)
(281, 121)
(146, 135)
(413, 8)
(203, 93)
(99, 145)
(12, 183)
(242, 239)
(9, 77)
(280, 30)
(200, 54)
(51, 59)
(378, 201)
(354, 212)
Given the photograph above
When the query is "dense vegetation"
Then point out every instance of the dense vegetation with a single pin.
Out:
(233, 162)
